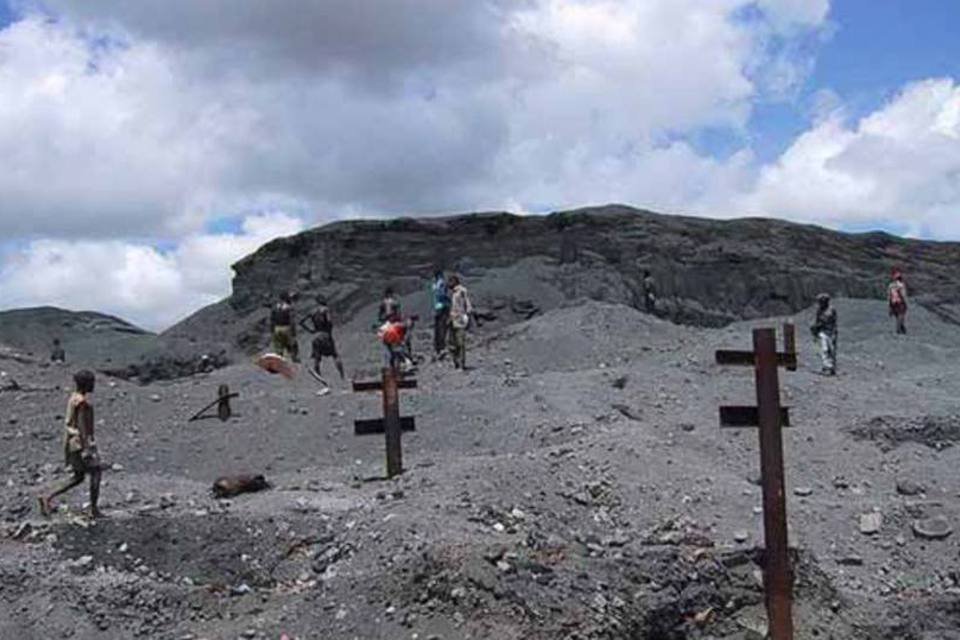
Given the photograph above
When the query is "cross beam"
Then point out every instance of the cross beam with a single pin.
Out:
(223, 405)
(769, 416)
(392, 424)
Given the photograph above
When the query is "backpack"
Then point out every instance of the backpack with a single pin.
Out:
(392, 333)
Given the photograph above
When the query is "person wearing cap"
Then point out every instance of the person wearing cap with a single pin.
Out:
(824, 329)
(897, 298)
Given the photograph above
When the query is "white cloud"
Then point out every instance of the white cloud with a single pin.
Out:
(141, 118)
(899, 165)
(135, 281)
(128, 125)
(789, 14)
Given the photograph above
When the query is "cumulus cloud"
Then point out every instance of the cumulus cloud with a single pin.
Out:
(899, 165)
(147, 118)
(130, 125)
(136, 281)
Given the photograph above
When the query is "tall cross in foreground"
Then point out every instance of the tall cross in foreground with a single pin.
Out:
(770, 417)
(391, 424)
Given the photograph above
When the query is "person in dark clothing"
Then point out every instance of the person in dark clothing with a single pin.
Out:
(440, 294)
(897, 298)
(323, 343)
(649, 293)
(282, 328)
(57, 355)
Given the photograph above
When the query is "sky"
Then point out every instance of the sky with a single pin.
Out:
(149, 145)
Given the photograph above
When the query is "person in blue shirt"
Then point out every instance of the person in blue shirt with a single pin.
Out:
(440, 296)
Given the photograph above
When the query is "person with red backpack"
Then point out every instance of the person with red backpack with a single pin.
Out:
(394, 334)
(897, 298)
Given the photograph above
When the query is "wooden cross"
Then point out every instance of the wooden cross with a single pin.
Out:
(223, 405)
(392, 424)
(770, 417)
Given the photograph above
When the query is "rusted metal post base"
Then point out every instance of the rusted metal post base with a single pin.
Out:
(391, 422)
(777, 578)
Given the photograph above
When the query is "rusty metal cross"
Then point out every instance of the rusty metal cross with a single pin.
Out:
(392, 424)
(770, 417)
(223, 405)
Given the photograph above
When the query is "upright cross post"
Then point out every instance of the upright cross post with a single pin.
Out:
(392, 425)
(391, 422)
(777, 579)
(770, 417)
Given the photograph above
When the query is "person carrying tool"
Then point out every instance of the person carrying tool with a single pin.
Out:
(282, 328)
(394, 335)
(897, 298)
(824, 329)
(440, 295)
(390, 307)
(323, 343)
(461, 315)
(79, 445)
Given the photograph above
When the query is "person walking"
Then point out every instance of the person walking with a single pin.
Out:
(323, 344)
(461, 313)
(79, 446)
(440, 295)
(897, 298)
(824, 329)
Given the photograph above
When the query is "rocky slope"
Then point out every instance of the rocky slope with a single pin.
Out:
(709, 272)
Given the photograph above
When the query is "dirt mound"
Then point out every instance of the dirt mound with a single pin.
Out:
(548, 591)
(936, 432)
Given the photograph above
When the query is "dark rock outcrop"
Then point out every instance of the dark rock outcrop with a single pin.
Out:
(708, 272)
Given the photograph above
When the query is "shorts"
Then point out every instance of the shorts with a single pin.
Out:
(82, 466)
(284, 340)
(323, 345)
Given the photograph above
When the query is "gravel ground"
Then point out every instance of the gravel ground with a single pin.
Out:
(573, 484)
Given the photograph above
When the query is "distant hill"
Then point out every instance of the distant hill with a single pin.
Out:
(708, 272)
(104, 343)
(85, 335)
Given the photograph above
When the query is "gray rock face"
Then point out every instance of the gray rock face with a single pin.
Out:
(708, 272)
